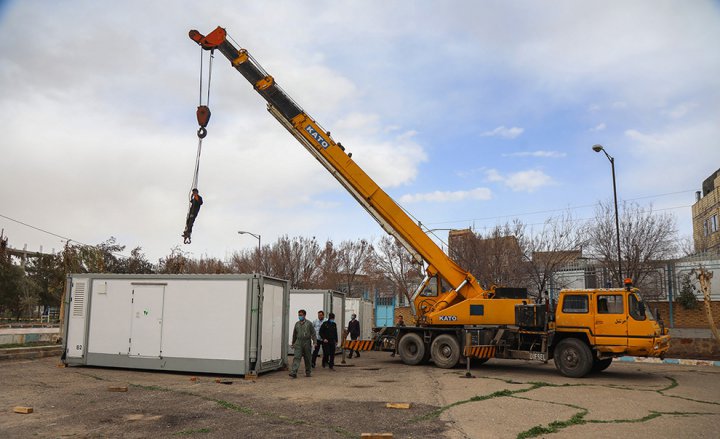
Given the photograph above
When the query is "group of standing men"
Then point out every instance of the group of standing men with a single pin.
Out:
(322, 333)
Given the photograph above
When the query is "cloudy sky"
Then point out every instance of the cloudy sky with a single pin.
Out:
(469, 113)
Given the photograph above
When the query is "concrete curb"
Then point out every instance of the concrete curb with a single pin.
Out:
(680, 361)
(30, 353)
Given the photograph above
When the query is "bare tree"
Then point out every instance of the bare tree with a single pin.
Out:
(554, 246)
(704, 277)
(495, 259)
(329, 267)
(645, 238)
(392, 263)
(353, 255)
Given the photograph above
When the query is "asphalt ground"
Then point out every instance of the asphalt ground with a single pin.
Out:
(506, 399)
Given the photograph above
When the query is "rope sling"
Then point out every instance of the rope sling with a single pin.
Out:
(203, 117)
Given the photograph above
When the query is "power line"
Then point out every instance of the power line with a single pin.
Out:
(55, 234)
(583, 206)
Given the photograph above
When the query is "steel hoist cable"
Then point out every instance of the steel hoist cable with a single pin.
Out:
(203, 117)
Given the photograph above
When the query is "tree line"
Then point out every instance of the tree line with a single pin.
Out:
(510, 254)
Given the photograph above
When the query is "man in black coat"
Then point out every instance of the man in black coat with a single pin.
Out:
(354, 331)
(195, 202)
(329, 337)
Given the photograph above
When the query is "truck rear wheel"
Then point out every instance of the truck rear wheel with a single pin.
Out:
(573, 358)
(600, 365)
(412, 349)
(445, 351)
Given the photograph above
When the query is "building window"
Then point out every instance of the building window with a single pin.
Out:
(706, 230)
(713, 224)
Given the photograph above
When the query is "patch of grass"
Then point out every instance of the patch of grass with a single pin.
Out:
(191, 431)
(153, 387)
(672, 385)
(231, 406)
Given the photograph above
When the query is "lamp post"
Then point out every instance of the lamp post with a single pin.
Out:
(240, 232)
(598, 148)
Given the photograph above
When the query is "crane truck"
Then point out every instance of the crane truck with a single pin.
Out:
(456, 318)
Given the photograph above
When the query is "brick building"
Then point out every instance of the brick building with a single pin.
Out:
(706, 216)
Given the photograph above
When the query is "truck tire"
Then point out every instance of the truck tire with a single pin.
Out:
(445, 351)
(573, 358)
(412, 349)
(600, 365)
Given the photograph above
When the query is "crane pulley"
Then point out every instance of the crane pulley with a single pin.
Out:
(203, 117)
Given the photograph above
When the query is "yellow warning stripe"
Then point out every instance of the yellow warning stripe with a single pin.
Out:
(487, 351)
(359, 345)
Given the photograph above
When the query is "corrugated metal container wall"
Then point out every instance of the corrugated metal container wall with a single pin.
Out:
(233, 324)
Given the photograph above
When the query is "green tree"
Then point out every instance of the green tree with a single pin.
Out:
(686, 296)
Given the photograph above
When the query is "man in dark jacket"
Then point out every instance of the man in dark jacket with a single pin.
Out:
(354, 331)
(195, 202)
(329, 336)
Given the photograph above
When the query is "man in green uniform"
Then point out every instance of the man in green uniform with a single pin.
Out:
(302, 338)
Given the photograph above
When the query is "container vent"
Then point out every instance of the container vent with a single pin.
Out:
(79, 299)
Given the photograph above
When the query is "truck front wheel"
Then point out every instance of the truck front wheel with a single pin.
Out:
(573, 358)
(411, 349)
(600, 365)
(445, 351)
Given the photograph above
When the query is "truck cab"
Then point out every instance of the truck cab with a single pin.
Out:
(610, 323)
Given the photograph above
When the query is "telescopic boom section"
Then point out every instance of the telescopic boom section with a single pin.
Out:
(332, 155)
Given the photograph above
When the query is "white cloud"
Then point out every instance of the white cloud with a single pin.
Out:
(598, 127)
(502, 131)
(527, 181)
(681, 110)
(480, 193)
(493, 175)
(389, 160)
(523, 181)
(540, 153)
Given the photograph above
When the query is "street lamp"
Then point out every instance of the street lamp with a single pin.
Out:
(598, 148)
(240, 232)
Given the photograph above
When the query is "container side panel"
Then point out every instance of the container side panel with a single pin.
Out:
(272, 324)
(109, 331)
(310, 302)
(338, 308)
(352, 306)
(78, 314)
(366, 323)
(146, 320)
(205, 319)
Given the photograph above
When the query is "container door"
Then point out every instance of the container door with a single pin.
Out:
(146, 320)
(272, 323)
(339, 310)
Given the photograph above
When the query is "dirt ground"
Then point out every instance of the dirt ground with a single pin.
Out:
(506, 399)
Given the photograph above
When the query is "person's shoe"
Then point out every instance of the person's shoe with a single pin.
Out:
(308, 375)
(332, 368)
(324, 365)
(313, 365)
(293, 375)
(357, 354)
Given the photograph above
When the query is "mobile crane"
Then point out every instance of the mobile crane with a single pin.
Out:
(456, 317)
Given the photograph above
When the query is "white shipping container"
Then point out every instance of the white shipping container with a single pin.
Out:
(313, 301)
(231, 324)
(364, 311)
